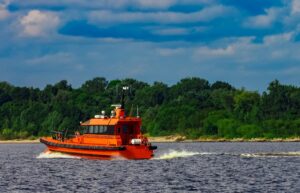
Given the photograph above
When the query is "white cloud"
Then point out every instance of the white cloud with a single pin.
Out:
(287, 15)
(38, 23)
(212, 52)
(278, 38)
(154, 3)
(162, 4)
(3, 12)
(295, 7)
(204, 15)
(170, 51)
(266, 20)
(171, 31)
(63, 57)
(275, 50)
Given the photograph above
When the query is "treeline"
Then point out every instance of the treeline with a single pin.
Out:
(193, 107)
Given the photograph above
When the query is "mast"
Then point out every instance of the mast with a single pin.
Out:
(123, 97)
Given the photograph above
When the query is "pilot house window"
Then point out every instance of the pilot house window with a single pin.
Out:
(91, 129)
(99, 129)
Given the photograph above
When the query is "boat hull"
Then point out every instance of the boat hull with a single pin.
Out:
(96, 151)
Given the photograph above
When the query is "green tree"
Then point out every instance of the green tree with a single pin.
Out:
(95, 86)
(227, 128)
(247, 106)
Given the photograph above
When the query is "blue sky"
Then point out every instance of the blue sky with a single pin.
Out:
(246, 43)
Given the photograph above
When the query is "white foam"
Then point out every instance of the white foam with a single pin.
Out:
(171, 154)
(272, 154)
(52, 155)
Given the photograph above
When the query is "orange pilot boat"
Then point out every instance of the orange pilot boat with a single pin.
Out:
(105, 137)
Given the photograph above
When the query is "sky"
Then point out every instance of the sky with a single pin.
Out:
(246, 43)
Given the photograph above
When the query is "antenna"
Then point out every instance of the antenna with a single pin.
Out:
(131, 109)
(117, 92)
(123, 96)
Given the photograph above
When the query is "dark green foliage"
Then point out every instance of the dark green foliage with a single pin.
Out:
(192, 108)
(221, 85)
(246, 106)
(210, 123)
(95, 86)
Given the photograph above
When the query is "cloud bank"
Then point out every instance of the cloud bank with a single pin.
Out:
(247, 43)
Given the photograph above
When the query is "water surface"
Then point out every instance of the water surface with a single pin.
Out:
(176, 167)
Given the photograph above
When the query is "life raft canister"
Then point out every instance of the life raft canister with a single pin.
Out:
(136, 141)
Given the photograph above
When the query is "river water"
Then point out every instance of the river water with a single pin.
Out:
(176, 167)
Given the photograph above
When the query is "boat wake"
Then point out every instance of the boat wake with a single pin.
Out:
(272, 154)
(52, 155)
(172, 154)
(179, 154)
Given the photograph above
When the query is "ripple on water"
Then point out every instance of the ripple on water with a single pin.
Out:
(176, 167)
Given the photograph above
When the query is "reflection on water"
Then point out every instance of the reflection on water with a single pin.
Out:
(176, 167)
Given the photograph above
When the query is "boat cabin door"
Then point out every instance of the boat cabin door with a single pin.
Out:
(125, 131)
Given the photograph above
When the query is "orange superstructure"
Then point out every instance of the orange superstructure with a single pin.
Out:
(105, 137)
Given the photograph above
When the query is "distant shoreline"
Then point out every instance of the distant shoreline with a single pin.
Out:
(170, 139)
(17, 141)
(167, 139)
